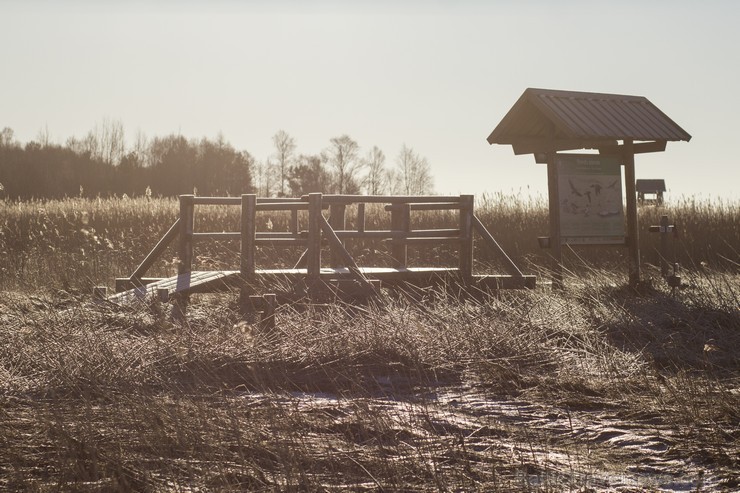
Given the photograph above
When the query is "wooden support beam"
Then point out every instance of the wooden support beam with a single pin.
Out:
(633, 243)
(639, 148)
(552, 145)
(553, 195)
(158, 249)
(342, 252)
(509, 264)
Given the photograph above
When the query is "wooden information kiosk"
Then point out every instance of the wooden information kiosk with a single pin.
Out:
(545, 122)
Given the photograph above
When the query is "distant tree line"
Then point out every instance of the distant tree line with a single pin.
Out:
(102, 164)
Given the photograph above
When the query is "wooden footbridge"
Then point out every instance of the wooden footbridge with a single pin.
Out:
(310, 275)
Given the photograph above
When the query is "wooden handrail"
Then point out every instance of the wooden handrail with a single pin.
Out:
(429, 206)
(238, 200)
(156, 251)
(217, 200)
(386, 199)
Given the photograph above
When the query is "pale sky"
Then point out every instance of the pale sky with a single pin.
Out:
(435, 75)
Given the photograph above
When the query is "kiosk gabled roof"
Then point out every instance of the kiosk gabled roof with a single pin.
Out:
(545, 120)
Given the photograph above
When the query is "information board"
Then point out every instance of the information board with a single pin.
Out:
(590, 195)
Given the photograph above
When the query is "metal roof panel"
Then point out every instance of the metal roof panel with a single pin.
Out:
(551, 114)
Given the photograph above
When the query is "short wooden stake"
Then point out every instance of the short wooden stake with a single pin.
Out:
(268, 316)
(163, 295)
(100, 293)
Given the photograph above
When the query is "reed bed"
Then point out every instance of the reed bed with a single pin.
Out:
(76, 243)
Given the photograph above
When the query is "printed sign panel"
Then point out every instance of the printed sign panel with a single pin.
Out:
(590, 189)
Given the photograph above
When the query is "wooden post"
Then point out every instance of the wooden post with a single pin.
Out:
(247, 263)
(248, 235)
(187, 222)
(466, 236)
(400, 222)
(664, 245)
(361, 217)
(633, 239)
(313, 267)
(553, 195)
(294, 222)
(337, 222)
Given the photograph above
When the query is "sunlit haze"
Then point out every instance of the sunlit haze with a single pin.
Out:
(437, 76)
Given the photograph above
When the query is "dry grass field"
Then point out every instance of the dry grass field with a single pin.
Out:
(598, 387)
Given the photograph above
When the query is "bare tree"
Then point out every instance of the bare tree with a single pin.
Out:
(284, 147)
(111, 139)
(263, 177)
(7, 138)
(105, 142)
(141, 148)
(342, 157)
(413, 172)
(44, 137)
(376, 178)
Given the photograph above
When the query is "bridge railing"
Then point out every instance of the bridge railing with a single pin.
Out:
(320, 230)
